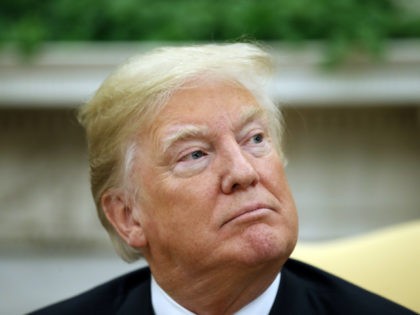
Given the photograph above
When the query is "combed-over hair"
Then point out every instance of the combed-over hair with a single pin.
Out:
(131, 97)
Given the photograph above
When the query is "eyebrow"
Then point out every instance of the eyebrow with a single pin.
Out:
(182, 133)
(188, 131)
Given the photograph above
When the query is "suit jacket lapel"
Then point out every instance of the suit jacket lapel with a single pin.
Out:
(138, 301)
(293, 296)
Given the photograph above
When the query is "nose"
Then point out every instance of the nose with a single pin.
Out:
(238, 172)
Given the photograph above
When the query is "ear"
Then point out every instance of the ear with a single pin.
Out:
(124, 218)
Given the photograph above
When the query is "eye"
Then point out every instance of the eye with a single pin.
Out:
(258, 138)
(258, 144)
(195, 155)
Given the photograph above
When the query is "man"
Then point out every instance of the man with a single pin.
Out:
(187, 171)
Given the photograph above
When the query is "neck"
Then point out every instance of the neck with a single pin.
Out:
(217, 291)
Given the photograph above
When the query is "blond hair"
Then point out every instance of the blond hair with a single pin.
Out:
(131, 97)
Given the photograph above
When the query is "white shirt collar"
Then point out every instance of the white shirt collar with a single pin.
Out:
(163, 304)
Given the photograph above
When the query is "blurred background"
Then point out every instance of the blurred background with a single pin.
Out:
(347, 77)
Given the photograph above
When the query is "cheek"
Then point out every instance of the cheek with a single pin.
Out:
(274, 179)
(180, 202)
(272, 174)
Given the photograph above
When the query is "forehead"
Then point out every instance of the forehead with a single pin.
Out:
(208, 103)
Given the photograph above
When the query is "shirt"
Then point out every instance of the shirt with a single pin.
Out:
(163, 304)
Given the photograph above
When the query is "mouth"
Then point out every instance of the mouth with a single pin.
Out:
(249, 213)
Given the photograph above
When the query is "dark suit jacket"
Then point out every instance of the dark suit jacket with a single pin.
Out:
(304, 290)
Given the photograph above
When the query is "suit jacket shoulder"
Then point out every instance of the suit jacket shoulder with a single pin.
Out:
(303, 290)
(308, 290)
(128, 294)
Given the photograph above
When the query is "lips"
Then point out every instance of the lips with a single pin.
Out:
(250, 211)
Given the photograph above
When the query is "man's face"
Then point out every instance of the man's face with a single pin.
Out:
(212, 186)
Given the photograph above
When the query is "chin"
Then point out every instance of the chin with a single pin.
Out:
(263, 245)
